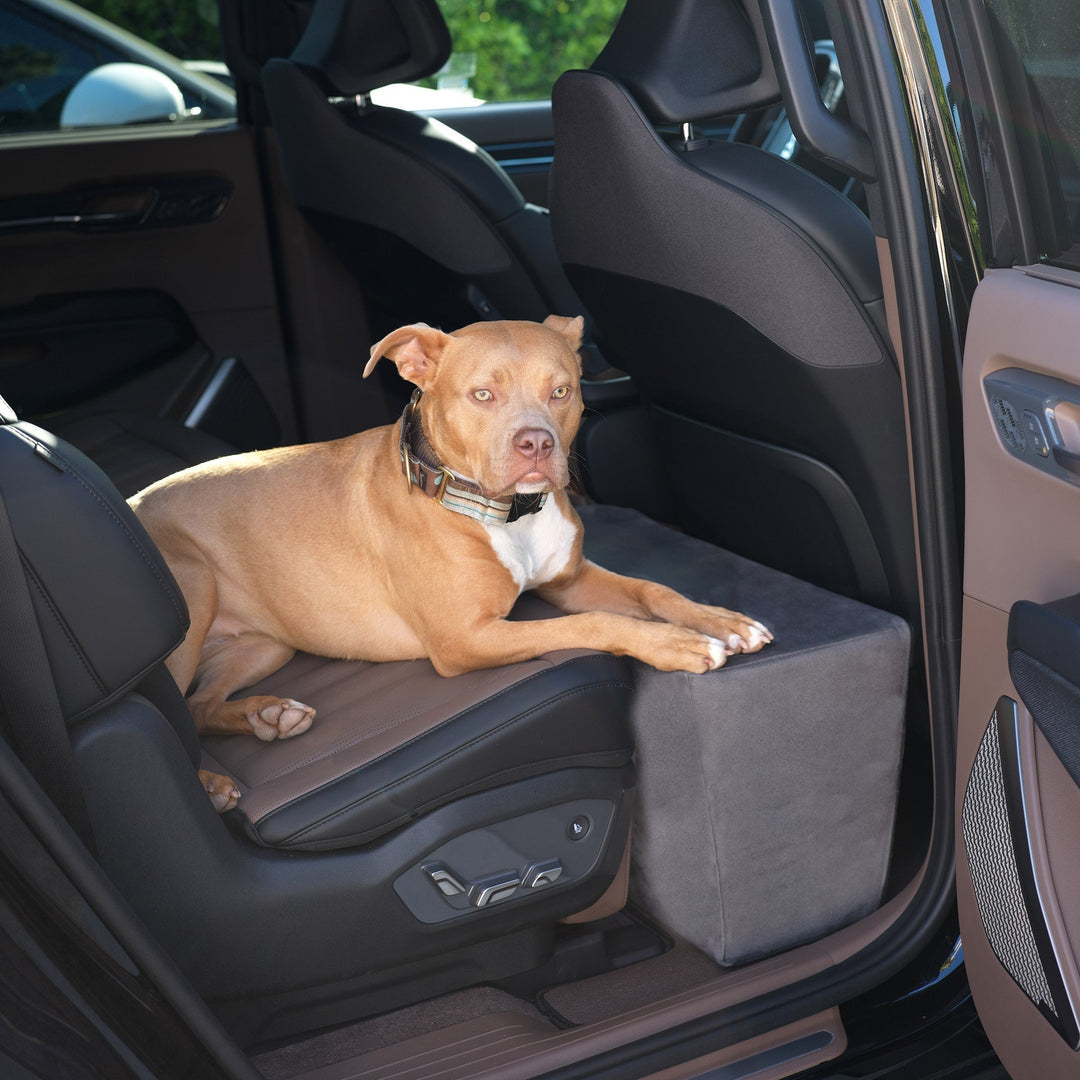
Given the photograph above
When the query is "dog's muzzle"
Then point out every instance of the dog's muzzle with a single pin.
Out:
(424, 472)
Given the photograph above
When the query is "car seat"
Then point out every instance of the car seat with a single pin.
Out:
(426, 837)
(743, 296)
(430, 222)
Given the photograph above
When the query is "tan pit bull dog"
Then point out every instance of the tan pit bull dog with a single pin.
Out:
(330, 549)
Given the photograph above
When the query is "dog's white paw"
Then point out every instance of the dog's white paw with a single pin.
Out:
(280, 719)
(749, 638)
(719, 652)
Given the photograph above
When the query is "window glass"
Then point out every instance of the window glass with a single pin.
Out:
(514, 50)
(186, 28)
(39, 65)
(62, 66)
(1045, 35)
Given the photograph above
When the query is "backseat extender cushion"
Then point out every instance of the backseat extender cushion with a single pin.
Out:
(766, 789)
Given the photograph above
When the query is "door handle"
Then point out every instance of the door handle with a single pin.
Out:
(1038, 419)
(64, 221)
(1067, 460)
(83, 208)
(101, 209)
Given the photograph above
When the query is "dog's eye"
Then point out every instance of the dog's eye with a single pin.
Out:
(560, 391)
(482, 395)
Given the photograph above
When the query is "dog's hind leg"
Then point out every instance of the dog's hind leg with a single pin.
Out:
(230, 663)
(197, 583)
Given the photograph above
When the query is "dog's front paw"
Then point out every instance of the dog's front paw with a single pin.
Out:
(278, 718)
(224, 794)
(676, 648)
(738, 632)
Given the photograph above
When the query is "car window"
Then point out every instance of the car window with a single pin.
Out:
(514, 50)
(63, 66)
(39, 64)
(1045, 36)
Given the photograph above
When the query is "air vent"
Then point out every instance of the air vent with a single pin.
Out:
(1009, 427)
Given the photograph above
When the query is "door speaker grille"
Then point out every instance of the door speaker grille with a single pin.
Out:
(994, 829)
(991, 855)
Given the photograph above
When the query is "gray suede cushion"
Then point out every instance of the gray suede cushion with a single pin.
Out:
(767, 789)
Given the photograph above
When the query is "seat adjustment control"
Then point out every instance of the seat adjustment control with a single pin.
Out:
(543, 873)
(534, 859)
(492, 890)
(443, 877)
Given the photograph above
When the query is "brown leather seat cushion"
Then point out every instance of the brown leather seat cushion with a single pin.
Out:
(392, 741)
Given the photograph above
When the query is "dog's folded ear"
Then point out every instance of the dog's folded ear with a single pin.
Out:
(571, 328)
(415, 349)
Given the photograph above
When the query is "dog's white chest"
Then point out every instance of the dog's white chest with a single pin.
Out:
(534, 548)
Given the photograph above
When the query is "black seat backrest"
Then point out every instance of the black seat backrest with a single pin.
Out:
(90, 609)
(743, 296)
(108, 607)
(416, 210)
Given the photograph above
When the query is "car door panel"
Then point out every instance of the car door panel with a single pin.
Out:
(60, 351)
(211, 268)
(1018, 883)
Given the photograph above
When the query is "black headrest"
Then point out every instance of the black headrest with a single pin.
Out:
(356, 46)
(686, 60)
(108, 607)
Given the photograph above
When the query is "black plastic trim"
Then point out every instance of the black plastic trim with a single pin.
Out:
(1048, 633)
(171, 991)
(1065, 1023)
(835, 141)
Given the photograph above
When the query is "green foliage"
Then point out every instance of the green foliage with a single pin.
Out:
(522, 46)
(187, 28)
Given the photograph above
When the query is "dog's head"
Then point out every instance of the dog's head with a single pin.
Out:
(502, 400)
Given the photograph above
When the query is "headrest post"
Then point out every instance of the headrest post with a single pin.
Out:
(689, 140)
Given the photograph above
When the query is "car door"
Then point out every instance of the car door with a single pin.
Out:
(135, 260)
(1018, 760)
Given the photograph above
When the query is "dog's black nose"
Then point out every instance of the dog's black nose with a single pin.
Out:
(535, 443)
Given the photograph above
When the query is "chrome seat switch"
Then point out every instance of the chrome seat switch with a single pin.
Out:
(494, 889)
(444, 879)
(543, 873)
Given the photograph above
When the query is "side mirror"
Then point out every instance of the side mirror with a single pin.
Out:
(123, 94)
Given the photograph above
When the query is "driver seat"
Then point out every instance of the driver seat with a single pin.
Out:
(429, 222)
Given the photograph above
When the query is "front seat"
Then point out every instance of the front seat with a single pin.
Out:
(426, 836)
(743, 296)
(430, 223)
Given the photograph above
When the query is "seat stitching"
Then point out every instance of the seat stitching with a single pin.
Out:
(454, 753)
(76, 646)
(128, 534)
(388, 725)
(586, 759)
